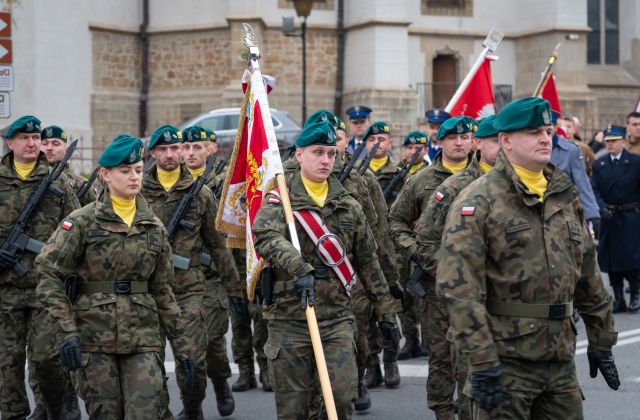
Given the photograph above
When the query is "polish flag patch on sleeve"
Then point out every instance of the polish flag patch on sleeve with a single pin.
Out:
(467, 210)
(66, 225)
(273, 200)
(438, 196)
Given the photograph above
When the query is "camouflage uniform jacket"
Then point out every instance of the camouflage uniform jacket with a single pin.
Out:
(77, 182)
(510, 247)
(188, 243)
(411, 202)
(14, 193)
(384, 175)
(344, 217)
(430, 225)
(97, 246)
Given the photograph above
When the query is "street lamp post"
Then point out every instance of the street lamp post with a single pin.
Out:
(303, 9)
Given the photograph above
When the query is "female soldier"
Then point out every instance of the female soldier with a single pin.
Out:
(118, 255)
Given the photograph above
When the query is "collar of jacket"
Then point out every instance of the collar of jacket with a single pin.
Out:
(151, 180)
(557, 181)
(473, 168)
(6, 169)
(109, 220)
(301, 200)
(389, 167)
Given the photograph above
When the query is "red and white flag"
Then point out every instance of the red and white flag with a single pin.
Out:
(477, 100)
(254, 163)
(550, 93)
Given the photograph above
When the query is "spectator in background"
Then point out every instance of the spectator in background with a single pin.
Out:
(596, 144)
(569, 127)
(633, 133)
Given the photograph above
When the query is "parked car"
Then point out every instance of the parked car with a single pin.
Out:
(224, 122)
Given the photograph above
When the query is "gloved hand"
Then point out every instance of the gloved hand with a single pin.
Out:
(390, 332)
(240, 307)
(70, 355)
(397, 292)
(189, 372)
(485, 388)
(603, 361)
(7, 260)
(304, 289)
(595, 224)
(606, 214)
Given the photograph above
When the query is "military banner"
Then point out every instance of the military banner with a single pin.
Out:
(477, 100)
(550, 93)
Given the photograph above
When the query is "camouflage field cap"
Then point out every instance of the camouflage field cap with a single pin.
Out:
(341, 125)
(523, 113)
(457, 125)
(124, 150)
(378, 127)
(486, 129)
(194, 133)
(415, 137)
(24, 124)
(211, 135)
(166, 134)
(53, 132)
(322, 133)
(322, 115)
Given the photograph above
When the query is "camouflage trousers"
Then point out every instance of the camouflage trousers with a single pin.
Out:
(193, 315)
(119, 386)
(292, 366)
(244, 341)
(362, 310)
(410, 315)
(445, 369)
(216, 319)
(24, 324)
(539, 390)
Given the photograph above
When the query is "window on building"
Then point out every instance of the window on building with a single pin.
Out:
(445, 3)
(603, 42)
(447, 7)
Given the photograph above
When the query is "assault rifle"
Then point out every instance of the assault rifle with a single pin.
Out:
(177, 217)
(17, 240)
(414, 283)
(88, 183)
(398, 177)
(365, 163)
(344, 174)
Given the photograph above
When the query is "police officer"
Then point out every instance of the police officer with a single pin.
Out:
(23, 321)
(359, 121)
(516, 257)
(109, 330)
(165, 183)
(435, 118)
(616, 184)
(54, 146)
(304, 278)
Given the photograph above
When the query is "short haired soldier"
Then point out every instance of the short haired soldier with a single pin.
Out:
(306, 277)
(109, 328)
(516, 257)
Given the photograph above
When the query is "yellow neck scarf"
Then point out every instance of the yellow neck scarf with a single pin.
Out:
(415, 168)
(534, 181)
(124, 208)
(377, 163)
(168, 178)
(195, 173)
(454, 168)
(318, 191)
(485, 167)
(24, 169)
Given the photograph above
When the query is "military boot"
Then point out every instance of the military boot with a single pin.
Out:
(70, 408)
(363, 401)
(410, 349)
(224, 398)
(391, 374)
(424, 350)
(246, 381)
(373, 377)
(190, 415)
(265, 381)
(634, 299)
(619, 304)
(39, 413)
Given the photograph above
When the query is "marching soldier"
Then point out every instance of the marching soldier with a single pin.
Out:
(435, 118)
(165, 184)
(23, 320)
(516, 257)
(382, 165)
(454, 140)
(116, 255)
(359, 121)
(54, 145)
(616, 185)
(309, 278)
(428, 234)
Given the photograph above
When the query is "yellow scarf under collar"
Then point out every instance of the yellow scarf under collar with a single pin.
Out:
(377, 163)
(195, 173)
(485, 167)
(23, 169)
(534, 181)
(318, 191)
(168, 178)
(454, 168)
(124, 208)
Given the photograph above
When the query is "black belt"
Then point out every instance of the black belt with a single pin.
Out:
(121, 287)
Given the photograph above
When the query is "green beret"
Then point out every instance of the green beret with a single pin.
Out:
(457, 125)
(378, 127)
(25, 124)
(341, 125)
(322, 115)
(167, 134)
(53, 132)
(194, 133)
(322, 133)
(523, 113)
(415, 137)
(124, 150)
(485, 128)
(211, 135)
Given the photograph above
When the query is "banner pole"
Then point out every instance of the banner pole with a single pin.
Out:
(544, 78)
